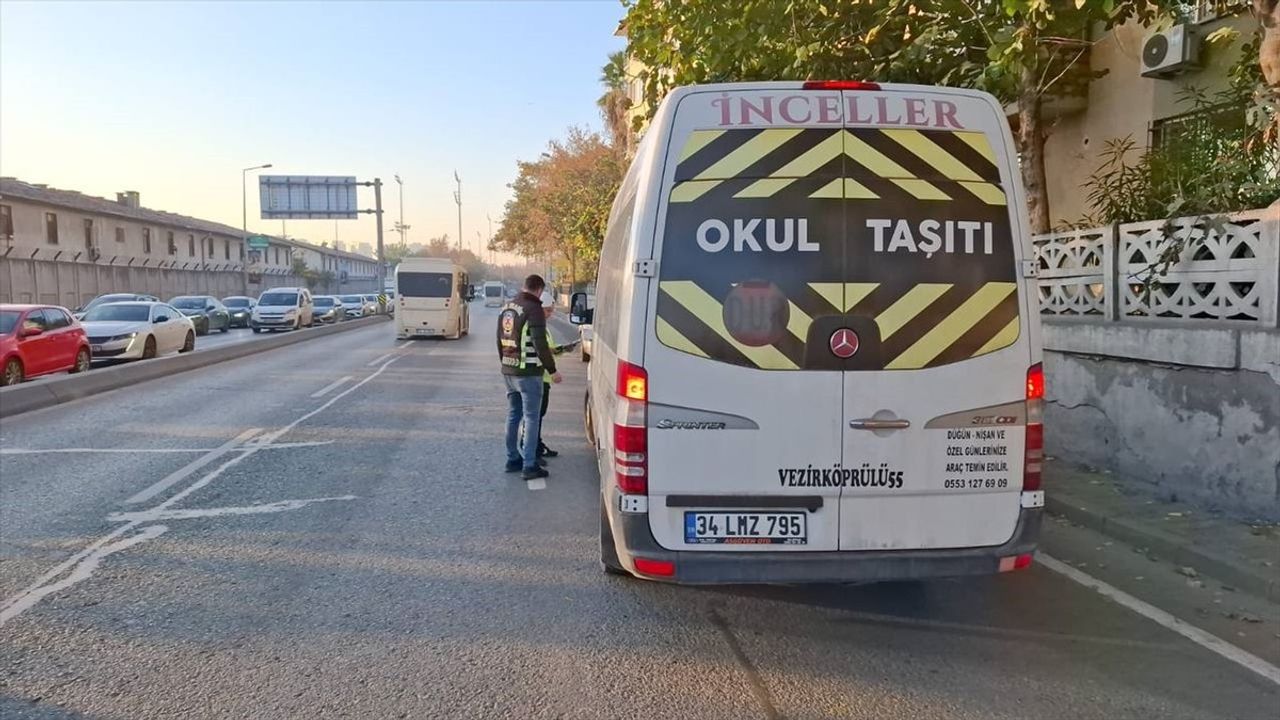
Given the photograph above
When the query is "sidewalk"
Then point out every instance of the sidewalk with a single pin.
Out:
(1241, 554)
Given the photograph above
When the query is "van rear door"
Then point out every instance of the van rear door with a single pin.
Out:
(744, 432)
(934, 342)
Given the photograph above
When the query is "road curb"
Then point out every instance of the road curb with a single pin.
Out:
(1166, 546)
(35, 396)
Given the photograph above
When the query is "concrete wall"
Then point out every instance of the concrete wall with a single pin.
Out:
(1123, 103)
(72, 284)
(1194, 412)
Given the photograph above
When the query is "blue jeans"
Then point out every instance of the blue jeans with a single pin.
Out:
(524, 404)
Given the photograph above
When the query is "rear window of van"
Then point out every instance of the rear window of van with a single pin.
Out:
(775, 238)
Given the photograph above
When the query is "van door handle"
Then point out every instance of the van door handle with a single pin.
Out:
(873, 424)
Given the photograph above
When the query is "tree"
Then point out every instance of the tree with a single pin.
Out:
(614, 103)
(1020, 50)
(560, 202)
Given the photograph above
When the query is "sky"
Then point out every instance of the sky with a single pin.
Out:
(174, 99)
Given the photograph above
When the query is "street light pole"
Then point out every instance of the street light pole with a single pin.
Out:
(244, 222)
(400, 226)
(457, 197)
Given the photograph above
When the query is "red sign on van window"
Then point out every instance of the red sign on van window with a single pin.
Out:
(815, 109)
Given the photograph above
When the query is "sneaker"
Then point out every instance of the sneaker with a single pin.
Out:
(545, 451)
(514, 466)
(542, 462)
(535, 473)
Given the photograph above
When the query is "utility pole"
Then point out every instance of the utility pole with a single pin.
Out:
(457, 198)
(244, 222)
(382, 255)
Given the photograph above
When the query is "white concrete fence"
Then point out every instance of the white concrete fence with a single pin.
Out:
(1180, 390)
(1227, 274)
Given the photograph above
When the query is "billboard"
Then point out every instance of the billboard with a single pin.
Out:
(307, 197)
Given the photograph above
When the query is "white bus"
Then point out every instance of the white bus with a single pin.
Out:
(494, 293)
(431, 298)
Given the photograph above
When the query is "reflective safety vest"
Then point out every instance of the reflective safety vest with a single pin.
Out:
(515, 344)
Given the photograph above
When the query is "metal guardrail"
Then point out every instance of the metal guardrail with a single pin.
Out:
(1231, 274)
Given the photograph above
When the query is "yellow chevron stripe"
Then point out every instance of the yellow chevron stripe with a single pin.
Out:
(872, 159)
(764, 188)
(925, 149)
(708, 310)
(977, 141)
(812, 159)
(698, 139)
(922, 189)
(986, 192)
(959, 322)
(747, 153)
(844, 296)
(833, 293)
(854, 190)
(1006, 337)
(855, 293)
(691, 190)
(799, 322)
(833, 189)
(908, 306)
(850, 189)
(672, 338)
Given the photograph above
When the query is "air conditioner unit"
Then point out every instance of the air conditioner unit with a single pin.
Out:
(94, 253)
(1171, 52)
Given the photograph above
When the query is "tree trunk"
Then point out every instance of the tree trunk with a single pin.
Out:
(1268, 13)
(1031, 148)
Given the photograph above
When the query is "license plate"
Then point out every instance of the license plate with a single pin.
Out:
(746, 528)
(422, 331)
(95, 348)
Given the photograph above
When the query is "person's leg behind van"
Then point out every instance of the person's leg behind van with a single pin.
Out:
(543, 450)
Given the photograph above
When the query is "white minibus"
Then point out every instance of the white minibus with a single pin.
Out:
(430, 299)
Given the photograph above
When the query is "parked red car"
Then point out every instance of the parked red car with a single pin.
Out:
(38, 340)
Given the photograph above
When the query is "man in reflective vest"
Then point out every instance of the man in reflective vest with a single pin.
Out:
(525, 355)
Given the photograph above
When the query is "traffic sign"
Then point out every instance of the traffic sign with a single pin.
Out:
(259, 242)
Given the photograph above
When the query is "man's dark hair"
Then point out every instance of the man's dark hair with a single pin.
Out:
(535, 284)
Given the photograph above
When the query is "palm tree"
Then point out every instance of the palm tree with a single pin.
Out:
(614, 103)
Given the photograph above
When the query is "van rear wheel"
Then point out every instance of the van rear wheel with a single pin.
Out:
(608, 551)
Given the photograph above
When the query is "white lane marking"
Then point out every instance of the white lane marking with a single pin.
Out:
(331, 386)
(186, 470)
(272, 507)
(537, 484)
(143, 451)
(378, 359)
(7, 608)
(82, 570)
(404, 344)
(1205, 640)
(269, 438)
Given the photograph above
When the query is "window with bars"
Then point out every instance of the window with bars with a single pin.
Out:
(6, 221)
(88, 234)
(51, 228)
(146, 240)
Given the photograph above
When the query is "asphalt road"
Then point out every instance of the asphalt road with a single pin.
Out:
(325, 530)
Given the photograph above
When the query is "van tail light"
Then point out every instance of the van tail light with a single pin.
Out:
(841, 85)
(630, 434)
(1034, 456)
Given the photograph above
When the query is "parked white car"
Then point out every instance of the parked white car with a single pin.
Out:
(137, 330)
(353, 305)
(284, 308)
